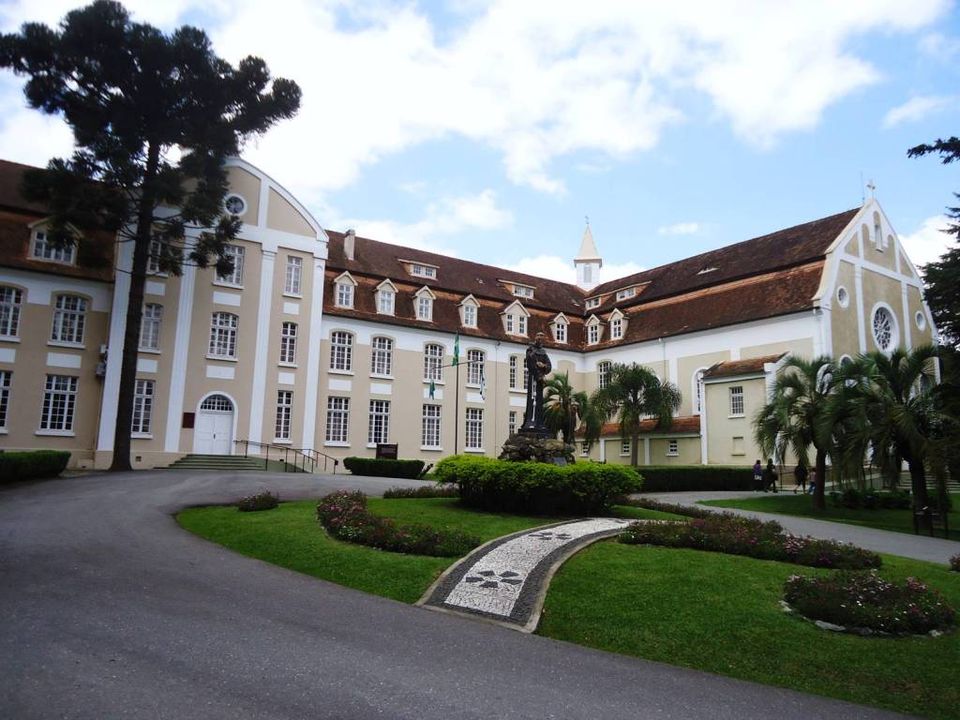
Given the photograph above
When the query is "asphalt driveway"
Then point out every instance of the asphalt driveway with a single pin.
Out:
(110, 610)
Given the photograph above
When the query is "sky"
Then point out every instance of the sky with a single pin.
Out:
(492, 130)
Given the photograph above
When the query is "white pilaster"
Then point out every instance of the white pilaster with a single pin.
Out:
(118, 319)
(259, 384)
(181, 354)
(313, 356)
(907, 320)
(646, 451)
(703, 425)
(858, 290)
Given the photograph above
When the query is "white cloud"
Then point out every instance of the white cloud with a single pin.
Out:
(928, 242)
(916, 108)
(441, 220)
(939, 46)
(554, 267)
(680, 228)
(533, 80)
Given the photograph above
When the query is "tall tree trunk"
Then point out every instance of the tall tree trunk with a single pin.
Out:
(918, 486)
(819, 499)
(131, 332)
(634, 448)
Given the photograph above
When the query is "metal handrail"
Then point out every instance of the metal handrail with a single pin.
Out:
(301, 456)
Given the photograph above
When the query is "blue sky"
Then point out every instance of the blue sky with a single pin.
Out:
(489, 130)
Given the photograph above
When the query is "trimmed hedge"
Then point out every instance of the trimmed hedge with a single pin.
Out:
(537, 488)
(32, 464)
(426, 491)
(409, 469)
(677, 478)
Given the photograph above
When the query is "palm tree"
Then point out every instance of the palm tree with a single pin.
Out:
(903, 421)
(798, 415)
(634, 392)
(567, 409)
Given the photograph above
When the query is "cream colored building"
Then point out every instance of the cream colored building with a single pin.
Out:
(335, 343)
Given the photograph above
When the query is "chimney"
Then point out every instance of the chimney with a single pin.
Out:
(350, 244)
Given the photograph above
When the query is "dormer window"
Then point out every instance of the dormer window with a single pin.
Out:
(423, 304)
(468, 312)
(626, 293)
(44, 250)
(344, 287)
(594, 330)
(386, 298)
(515, 319)
(593, 303)
(559, 326)
(422, 270)
(523, 291)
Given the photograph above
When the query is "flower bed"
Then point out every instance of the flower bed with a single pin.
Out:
(676, 509)
(426, 491)
(860, 601)
(263, 500)
(344, 515)
(734, 535)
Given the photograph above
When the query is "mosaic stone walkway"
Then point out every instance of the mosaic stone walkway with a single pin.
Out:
(506, 580)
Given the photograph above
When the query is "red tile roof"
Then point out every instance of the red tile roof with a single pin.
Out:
(730, 368)
(768, 276)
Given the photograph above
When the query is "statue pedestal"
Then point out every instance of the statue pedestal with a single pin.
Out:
(523, 447)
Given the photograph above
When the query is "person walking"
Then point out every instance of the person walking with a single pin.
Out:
(800, 478)
(812, 481)
(769, 477)
(757, 475)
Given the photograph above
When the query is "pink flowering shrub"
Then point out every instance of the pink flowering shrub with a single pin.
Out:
(344, 515)
(735, 535)
(263, 500)
(864, 600)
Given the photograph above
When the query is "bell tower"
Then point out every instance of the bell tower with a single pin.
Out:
(588, 261)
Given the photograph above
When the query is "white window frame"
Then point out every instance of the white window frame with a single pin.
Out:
(386, 301)
(593, 334)
(154, 251)
(626, 294)
(234, 279)
(523, 291)
(697, 390)
(6, 380)
(511, 423)
(341, 351)
(424, 307)
(381, 356)
(44, 251)
(433, 362)
(59, 404)
(288, 343)
(224, 328)
(624, 447)
(430, 426)
(378, 427)
(425, 271)
(469, 316)
(616, 328)
(338, 420)
(343, 295)
(476, 360)
(69, 319)
(737, 404)
(603, 373)
(151, 324)
(673, 448)
(284, 420)
(143, 394)
(11, 304)
(560, 332)
(473, 432)
(293, 276)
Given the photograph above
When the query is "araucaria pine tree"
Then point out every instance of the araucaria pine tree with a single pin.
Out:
(154, 117)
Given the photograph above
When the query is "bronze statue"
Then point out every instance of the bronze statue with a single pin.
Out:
(538, 367)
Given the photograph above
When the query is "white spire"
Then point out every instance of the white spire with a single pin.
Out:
(588, 261)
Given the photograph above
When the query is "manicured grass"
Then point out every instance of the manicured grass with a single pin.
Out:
(802, 506)
(721, 614)
(291, 537)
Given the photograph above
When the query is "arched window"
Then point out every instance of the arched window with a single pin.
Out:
(11, 299)
(223, 335)
(341, 351)
(217, 403)
(885, 330)
(381, 357)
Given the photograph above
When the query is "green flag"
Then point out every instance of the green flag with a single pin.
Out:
(433, 389)
(456, 350)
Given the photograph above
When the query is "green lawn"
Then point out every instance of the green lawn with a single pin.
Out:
(721, 613)
(291, 537)
(802, 506)
(707, 611)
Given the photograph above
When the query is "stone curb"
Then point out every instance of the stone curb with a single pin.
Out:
(526, 608)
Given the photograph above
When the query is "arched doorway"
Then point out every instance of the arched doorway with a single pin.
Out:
(213, 431)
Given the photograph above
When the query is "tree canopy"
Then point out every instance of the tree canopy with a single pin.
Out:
(153, 117)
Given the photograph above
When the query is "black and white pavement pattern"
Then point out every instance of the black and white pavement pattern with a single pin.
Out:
(505, 580)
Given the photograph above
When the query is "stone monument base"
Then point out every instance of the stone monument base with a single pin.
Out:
(521, 447)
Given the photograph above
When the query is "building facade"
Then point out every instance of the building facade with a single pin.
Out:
(332, 342)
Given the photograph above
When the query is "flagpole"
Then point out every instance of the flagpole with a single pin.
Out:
(456, 412)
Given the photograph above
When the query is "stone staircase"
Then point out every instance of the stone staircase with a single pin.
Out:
(228, 463)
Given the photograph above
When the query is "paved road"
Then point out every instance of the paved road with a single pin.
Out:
(919, 547)
(109, 610)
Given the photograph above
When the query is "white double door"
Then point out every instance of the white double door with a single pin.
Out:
(213, 433)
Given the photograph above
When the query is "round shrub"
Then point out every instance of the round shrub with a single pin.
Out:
(32, 464)
(861, 601)
(263, 500)
(537, 488)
